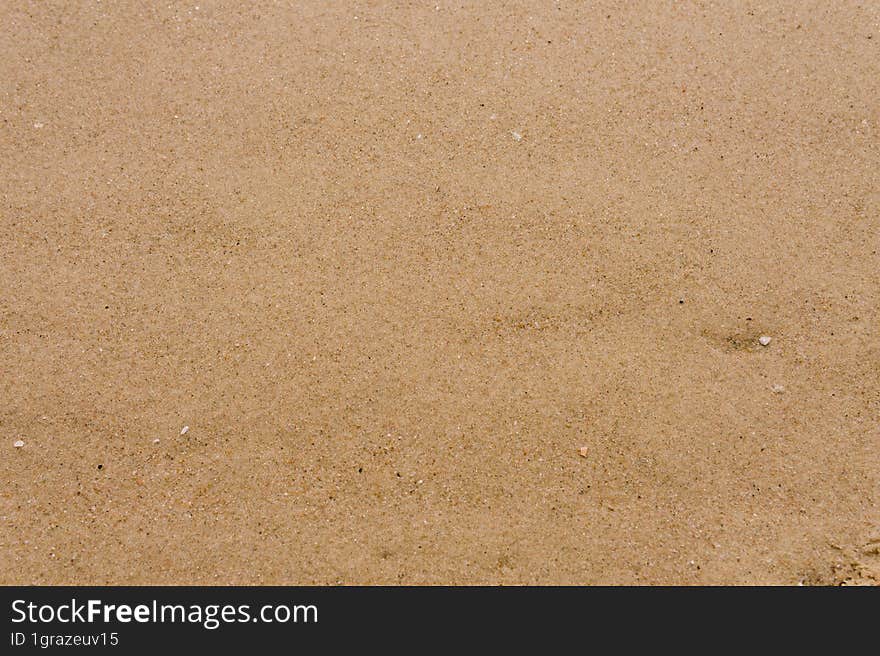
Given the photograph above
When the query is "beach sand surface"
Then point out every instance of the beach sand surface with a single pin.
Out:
(463, 293)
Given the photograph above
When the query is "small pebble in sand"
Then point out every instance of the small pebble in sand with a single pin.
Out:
(583, 452)
(517, 136)
(778, 389)
(18, 444)
(184, 430)
(764, 340)
(156, 441)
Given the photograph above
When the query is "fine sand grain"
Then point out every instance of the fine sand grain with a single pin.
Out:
(471, 292)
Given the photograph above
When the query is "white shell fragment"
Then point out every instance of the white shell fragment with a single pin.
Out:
(18, 444)
(517, 136)
(184, 430)
(764, 340)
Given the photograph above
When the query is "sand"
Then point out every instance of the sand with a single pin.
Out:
(444, 292)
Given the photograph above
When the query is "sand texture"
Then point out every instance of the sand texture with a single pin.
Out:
(462, 292)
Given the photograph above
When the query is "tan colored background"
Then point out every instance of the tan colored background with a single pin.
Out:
(307, 231)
